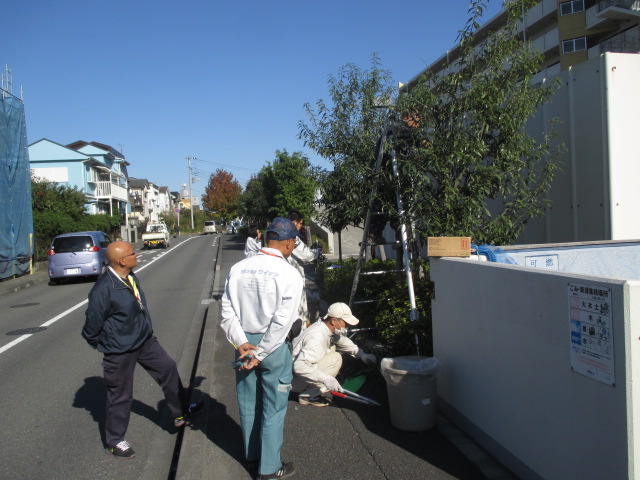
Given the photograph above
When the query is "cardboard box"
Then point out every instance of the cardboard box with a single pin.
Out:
(449, 246)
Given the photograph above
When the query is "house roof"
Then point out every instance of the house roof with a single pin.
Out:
(48, 150)
(138, 182)
(77, 145)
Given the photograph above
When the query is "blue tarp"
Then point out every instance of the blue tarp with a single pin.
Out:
(16, 218)
(493, 253)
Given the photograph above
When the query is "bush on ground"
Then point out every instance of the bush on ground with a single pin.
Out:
(390, 315)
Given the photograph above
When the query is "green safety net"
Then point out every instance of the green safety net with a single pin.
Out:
(16, 218)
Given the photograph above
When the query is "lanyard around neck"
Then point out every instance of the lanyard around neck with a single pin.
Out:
(130, 284)
(272, 254)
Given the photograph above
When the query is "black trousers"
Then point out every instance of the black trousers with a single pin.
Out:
(118, 376)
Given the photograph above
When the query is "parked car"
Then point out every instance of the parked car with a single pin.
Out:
(209, 227)
(78, 254)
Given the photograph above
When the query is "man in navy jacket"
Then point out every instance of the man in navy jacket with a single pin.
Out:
(118, 324)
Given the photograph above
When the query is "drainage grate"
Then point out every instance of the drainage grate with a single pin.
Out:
(27, 331)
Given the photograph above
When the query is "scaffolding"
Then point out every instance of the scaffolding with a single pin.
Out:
(16, 218)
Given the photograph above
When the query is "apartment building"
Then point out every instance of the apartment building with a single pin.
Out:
(593, 46)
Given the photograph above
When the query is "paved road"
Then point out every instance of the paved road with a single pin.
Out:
(52, 395)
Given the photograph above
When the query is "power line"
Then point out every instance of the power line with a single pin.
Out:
(235, 167)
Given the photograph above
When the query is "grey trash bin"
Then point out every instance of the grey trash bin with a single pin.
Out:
(411, 388)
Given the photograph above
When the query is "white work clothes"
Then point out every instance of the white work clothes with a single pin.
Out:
(252, 247)
(262, 295)
(300, 256)
(311, 347)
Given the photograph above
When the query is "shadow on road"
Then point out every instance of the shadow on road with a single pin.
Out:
(92, 397)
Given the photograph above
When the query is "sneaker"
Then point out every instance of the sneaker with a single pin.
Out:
(122, 450)
(286, 470)
(192, 410)
(318, 401)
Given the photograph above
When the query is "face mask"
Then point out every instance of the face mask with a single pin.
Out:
(340, 331)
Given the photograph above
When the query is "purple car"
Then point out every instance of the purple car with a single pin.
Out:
(79, 254)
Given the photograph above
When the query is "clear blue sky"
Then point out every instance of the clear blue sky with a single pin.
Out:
(222, 81)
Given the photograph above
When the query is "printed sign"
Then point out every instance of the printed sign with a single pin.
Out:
(549, 262)
(591, 332)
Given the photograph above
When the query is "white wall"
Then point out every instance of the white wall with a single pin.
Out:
(595, 191)
(502, 333)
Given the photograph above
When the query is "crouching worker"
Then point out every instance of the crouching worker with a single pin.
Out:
(316, 363)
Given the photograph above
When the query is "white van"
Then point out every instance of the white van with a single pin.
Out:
(209, 227)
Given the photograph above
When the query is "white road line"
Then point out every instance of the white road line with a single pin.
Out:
(77, 306)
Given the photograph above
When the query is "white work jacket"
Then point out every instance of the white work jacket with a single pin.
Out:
(302, 255)
(314, 343)
(252, 247)
(262, 295)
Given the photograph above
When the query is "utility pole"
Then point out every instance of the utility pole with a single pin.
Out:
(190, 193)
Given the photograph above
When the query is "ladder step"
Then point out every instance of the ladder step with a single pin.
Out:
(381, 271)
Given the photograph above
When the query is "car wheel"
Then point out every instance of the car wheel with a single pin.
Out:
(54, 281)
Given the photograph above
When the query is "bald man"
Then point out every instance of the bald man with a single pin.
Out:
(118, 324)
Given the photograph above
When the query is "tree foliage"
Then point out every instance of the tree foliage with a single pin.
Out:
(49, 197)
(59, 209)
(287, 183)
(466, 166)
(222, 194)
(345, 131)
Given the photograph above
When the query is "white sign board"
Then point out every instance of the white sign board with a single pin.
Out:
(549, 262)
(591, 332)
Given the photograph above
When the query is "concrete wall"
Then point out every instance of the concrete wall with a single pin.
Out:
(594, 193)
(609, 259)
(503, 335)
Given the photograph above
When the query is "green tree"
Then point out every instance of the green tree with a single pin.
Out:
(287, 183)
(467, 166)
(49, 197)
(60, 209)
(295, 184)
(254, 201)
(345, 131)
(222, 195)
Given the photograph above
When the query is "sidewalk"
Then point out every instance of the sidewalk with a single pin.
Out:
(11, 285)
(348, 441)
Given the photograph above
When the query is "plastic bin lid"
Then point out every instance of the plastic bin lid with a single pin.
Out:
(415, 365)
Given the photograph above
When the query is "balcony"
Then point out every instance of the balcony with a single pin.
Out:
(110, 190)
(547, 42)
(611, 12)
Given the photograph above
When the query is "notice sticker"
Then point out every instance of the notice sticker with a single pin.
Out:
(591, 332)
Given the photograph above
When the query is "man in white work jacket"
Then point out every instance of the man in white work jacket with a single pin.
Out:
(301, 256)
(259, 306)
(315, 360)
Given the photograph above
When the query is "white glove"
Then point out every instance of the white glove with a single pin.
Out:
(368, 358)
(332, 384)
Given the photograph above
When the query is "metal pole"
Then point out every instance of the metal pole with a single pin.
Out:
(190, 192)
(405, 249)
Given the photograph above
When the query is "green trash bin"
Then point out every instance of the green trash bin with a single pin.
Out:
(411, 388)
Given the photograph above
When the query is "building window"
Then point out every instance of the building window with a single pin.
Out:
(568, 8)
(574, 45)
